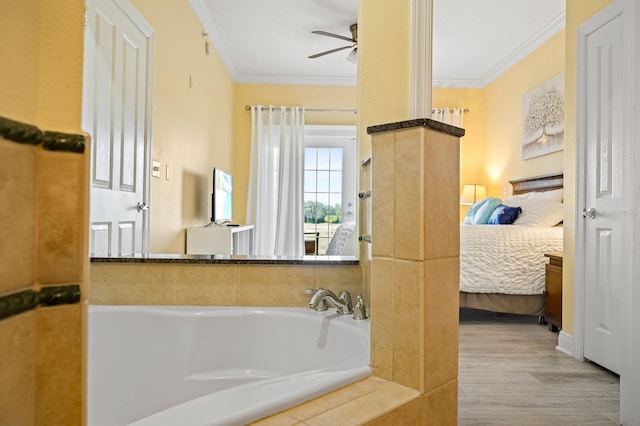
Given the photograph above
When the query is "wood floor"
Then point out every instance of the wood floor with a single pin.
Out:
(511, 374)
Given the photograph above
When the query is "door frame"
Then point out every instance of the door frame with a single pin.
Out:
(138, 20)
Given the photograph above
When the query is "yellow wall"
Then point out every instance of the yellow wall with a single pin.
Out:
(503, 118)
(321, 97)
(578, 11)
(384, 35)
(491, 150)
(192, 124)
(41, 73)
(472, 145)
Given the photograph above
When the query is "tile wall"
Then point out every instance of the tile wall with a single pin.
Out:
(219, 285)
(415, 264)
(43, 264)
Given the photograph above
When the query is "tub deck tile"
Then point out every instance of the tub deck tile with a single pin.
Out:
(355, 404)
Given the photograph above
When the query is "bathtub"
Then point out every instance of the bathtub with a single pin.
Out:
(173, 365)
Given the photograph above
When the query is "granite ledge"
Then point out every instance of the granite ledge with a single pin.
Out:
(418, 122)
(219, 259)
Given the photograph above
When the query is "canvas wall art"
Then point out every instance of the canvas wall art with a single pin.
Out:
(543, 118)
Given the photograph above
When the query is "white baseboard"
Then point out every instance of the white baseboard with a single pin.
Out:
(565, 343)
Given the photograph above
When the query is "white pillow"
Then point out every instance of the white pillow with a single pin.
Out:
(554, 195)
(539, 213)
(516, 197)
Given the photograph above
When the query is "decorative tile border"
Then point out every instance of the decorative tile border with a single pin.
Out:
(52, 141)
(16, 303)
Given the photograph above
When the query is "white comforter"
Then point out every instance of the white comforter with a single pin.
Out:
(506, 259)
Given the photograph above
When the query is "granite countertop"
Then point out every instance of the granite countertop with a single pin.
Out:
(418, 122)
(220, 259)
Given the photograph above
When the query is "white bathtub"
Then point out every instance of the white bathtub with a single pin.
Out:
(186, 366)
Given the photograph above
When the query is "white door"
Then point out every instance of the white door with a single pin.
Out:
(605, 216)
(116, 114)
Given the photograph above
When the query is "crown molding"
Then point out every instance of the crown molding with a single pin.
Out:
(521, 52)
(201, 12)
(298, 79)
(537, 40)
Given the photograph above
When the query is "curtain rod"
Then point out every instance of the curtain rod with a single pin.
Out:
(248, 108)
(465, 111)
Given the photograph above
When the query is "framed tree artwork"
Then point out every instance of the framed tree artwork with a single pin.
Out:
(543, 118)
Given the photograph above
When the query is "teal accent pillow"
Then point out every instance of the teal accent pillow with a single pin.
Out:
(481, 211)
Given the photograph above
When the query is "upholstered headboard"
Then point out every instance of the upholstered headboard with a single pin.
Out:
(538, 183)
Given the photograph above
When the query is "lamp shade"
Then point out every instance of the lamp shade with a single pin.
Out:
(472, 193)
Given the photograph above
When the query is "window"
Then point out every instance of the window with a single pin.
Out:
(329, 183)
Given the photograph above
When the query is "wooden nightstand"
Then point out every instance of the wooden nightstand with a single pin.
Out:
(553, 292)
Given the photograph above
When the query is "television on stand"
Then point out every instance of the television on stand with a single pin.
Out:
(222, 197)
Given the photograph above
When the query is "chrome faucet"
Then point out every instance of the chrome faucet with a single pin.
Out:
(322, 296)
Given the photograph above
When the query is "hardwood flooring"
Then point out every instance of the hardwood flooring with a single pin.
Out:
(510, 373)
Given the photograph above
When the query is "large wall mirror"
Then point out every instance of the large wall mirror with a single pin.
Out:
(175, 109)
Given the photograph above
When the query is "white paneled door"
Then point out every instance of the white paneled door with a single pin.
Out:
(116, 114)
(605, 218)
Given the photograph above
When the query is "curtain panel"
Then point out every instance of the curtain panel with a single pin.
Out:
(275, 198)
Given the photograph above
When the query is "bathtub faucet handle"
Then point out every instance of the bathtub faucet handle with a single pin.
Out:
(360, 310)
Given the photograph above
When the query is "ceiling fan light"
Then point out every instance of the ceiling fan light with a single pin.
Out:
(353, 56)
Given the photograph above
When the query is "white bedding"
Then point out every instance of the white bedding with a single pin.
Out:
(506, 259)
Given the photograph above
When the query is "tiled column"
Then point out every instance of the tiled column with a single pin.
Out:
(43, 266)
(415, 260)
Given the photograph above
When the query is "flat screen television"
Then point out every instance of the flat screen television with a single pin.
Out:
(222, 197)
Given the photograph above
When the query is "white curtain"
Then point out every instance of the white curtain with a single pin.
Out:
(275, 199)
(448, 115)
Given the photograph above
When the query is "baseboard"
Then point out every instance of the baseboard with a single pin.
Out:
(565, 343)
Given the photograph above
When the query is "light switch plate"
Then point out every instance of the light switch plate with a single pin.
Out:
(155, 168)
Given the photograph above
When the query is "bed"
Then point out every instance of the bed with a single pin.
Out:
(502, 267)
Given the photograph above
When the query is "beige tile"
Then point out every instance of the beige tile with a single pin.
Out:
(128, 284)
(18, 369)
(408, 216)
(280, 419)
(381, 316)
(366, 408)
(441, 195)
(336, 398)
(340, 278)
(408, 323)
(441, 405)
(202, 284)
(441, 321)
(411, 413)
(383, 194)
(59, 365)
(274, 285)
(17, 214)
(61, 181)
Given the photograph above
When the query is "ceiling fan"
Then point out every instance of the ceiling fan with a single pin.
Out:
(353, 40)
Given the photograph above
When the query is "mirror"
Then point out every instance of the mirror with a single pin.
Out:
(198, 122)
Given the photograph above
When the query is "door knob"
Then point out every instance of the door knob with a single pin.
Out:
(590, 213)
(142, 206)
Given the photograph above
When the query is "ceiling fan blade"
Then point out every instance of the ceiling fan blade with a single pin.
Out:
(317, 55)
(324, 33)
